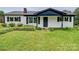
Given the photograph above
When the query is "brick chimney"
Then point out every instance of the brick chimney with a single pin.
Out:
(25, 10)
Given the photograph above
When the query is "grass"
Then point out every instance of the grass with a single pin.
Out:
(40, 40)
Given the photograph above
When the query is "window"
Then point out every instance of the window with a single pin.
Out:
(11, 18)
(66, 18)
(26, 20)
(59, 19)
(30, 20)
(7, 19)
(70, 19)
(18, 19)
(38, 20)
(35, 20)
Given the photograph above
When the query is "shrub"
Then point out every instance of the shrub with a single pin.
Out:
(38, 28)
(51, 29)
(19, 25)
(5, 30)
(12, 24)
(29, 26)
(4, 25)
(66, 28)
(23, 29)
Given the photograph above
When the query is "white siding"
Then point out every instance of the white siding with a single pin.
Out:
(68, 24)
(53, 22)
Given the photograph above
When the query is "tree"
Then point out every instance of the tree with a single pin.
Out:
(2, 17)
(77, 16)
(1, 13)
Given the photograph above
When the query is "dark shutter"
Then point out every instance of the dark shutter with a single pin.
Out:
(7, 19)
(58, 19)
(26, 20)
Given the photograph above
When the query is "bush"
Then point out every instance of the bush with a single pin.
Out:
(19, 25)
(12, 24)
(51, 29)
(4, 25)
(12, 28)
(38, 28)
(29, 26)
(24, 29)
(66, 28)
(5, 30)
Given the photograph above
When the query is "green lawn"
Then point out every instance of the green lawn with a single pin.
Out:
(41, 40)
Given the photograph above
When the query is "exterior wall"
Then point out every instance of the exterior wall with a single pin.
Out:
(52, 22)
(68, 24)
(23, 21)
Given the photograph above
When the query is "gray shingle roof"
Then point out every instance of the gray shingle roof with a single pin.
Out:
(31, 12)
(21, 13)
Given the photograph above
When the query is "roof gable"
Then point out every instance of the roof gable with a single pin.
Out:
(50, 12)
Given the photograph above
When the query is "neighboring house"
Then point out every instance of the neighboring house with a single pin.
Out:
(45, 18)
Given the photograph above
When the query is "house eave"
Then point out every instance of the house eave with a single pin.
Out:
(69, 15)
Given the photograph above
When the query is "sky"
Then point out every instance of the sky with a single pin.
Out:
(8, 9)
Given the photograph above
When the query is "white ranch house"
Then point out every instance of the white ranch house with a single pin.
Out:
(44, 18)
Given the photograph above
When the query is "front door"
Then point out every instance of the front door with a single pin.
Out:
(45, 21)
